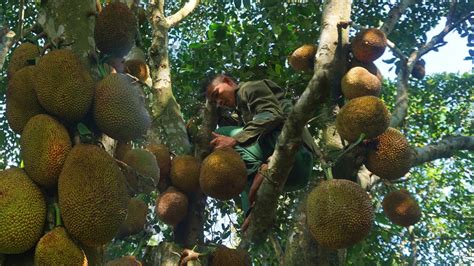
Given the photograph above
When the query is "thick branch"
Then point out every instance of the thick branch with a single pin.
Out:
(7, 37)
(394, 15)
(289, 141)
(443, 149)
(177, 17)
(401, 105)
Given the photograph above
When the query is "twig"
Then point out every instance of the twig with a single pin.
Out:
(181, 14)
(396, 51)
(21, 9)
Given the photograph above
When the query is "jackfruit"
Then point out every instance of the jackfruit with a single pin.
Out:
(171, 206)
(358, 82)
(21, 57)
(45, 144)
(57, 248)
(22, 212)
(22, 103)
(162, 154)
(144, 162)
(418, 70)
(230, 257)
(92, 195)
(366, 114)
(119, 108)
(339, 213)
(302, 59)
(401, 208)
(184, 173)
(136, 218)
(137, 68)
(64, 86)
(389, 155)
(223, 174)
(115, 29)
(125, 261)
(368, 45)
(122, 148)
(370, 66)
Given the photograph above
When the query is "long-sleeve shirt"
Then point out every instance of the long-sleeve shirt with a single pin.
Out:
(262, 108)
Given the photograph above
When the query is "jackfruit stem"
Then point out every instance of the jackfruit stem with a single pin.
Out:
(359, 140)
(328, 173)
(57, 220)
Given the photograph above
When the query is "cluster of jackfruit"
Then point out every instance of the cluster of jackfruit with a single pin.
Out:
(48, 97)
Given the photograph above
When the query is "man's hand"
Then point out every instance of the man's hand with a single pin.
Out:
(221, 141)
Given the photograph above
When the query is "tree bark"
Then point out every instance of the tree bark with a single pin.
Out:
(330, 44)
(443, 149)
(7, 38)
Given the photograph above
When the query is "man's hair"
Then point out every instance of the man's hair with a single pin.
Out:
(211, 78)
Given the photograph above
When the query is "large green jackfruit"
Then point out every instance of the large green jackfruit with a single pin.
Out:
(366, 114)
(45, 144)
(162, 154)
(22, 212)
(171, 206)
(144, 162)
(401, 208)
(389, 155)
(339, 213)
(223, 174)
(56, 248)
(185, 173)
(358, 82)
(119, 108)
(92, 195)
(63, 85)
(369, 44)
(21, 57)
(230, 257)
(136, 218)
(115, 29)
(22, 103)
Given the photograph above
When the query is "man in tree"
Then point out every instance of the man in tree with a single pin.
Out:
(261, 110)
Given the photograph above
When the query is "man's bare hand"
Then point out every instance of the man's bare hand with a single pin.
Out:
(221, 141)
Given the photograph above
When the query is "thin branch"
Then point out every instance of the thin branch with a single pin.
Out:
(401, 103)
(177, 17)
(21, 17)
(396, 51)
(438, 40)
(394, 15)
(443, 149)
(289, 141)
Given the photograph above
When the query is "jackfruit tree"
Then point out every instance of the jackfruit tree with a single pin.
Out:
(126, 170)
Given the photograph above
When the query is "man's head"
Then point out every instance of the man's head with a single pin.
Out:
(221, 90)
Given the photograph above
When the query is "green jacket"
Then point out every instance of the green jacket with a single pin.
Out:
(262, 108)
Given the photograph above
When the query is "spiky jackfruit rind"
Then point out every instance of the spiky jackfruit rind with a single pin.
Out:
(223, 174)
(22, 212)
(358, 82)
(171, 206)
(339, 213)
(119, 108)
(418, 70)
(144, 162)
(22, 103)
(137, 68)
(184, 174)
(21, 58)
(230, 257)
(122, 148)
(56, 247)
(124, 261)
(369, 44)
(389, 155)
(64, 86)
(135, 221)
(92, 195)
(115, 29)
(45, 144)
(162, 154)
(302, 59)
(366, 114)
(370, 66)
(401, 208)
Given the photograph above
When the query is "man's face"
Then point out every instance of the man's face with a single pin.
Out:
(222, 92)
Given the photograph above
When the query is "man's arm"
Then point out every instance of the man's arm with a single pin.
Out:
(265, 108)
